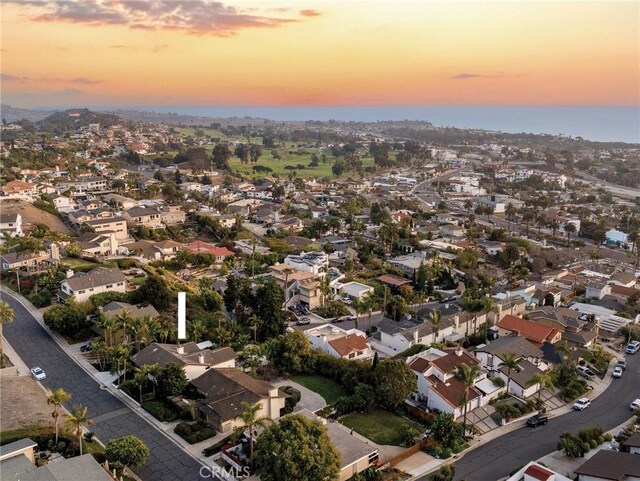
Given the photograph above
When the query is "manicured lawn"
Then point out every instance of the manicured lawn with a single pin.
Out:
(79, 264)
(382, 427)
(330, 390)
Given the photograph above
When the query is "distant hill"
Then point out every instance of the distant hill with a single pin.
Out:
(73, 119)
(13, 114)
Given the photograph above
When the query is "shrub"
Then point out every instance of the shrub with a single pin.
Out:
(160, 411)
(99, 457)
(608, 437)
(508, 411)
(293, 399)
(195, 432)
(593, 444)
(498, 381)
(215, 448)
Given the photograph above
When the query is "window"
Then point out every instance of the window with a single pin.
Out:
(352, 355)
(121, 283)
(81, 292)
(91, 289)
(109, 286)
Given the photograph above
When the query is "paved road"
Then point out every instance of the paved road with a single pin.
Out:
(499, 457)
(112, 418)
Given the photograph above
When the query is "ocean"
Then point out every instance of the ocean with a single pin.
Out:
(598, 123)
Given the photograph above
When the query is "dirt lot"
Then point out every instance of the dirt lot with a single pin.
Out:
(32, 215)
(22, 402)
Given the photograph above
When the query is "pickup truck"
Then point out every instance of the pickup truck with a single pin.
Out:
(537, 420)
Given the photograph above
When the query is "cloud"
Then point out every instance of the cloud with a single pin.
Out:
(159, 48)
(467, 76)
(204, 17)
(84, 81)
(119, 46)
(5, 77)
(309, 13)
(77, 80)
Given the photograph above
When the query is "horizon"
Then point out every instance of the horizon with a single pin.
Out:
(322, 53)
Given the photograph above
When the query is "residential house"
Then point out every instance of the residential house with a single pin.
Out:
(144, 216)
(514, 306)
(536, 472)
(116, 225)
(316, 263)
(172, 214)
(199, 247)
(576, 331)
(632, 445)
(597, 290)
(451, 230)
(17, 189)
(393, 281)
(98, 245)
(337, 342)
(530, 362)
(292, 224)
(352, 290)
(193, 360)
(83, 285)
(10, 225)
(410, 263)
(62, 203)
(29, 261)
(298, 286)
(155, 250)
(88, 184)
(624, 279)
(18, 462)
(226, 389)
(536, 333)
(608, 465)
(356, 454)
(439, 388)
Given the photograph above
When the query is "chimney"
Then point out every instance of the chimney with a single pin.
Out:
(458, 351)
(69, 273)
(180, 349)
(415, 336)
(201, 358)
(456, 320)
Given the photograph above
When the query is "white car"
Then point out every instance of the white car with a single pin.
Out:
(38, 373)
(617, 372)
(581, 404)
(635, 405)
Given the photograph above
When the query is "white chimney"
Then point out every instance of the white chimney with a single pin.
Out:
(201, 358)
(415, 336)
(456, 320)
(458, 351)
(180, 349)
(70, 273)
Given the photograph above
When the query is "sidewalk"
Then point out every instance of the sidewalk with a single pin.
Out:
(195, 451)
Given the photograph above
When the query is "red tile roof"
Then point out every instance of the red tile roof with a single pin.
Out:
(533, 331)
(452, 390)
(449, 362)
(420, 364)
(347, 344)
(538, 472)
(199, 247)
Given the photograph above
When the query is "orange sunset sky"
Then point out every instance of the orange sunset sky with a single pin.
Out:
(204, 52)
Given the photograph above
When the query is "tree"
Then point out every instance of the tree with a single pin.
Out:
(543, 379)
(291, 351)
(221, 155)
(421, 277)
(57, 398)
(242, 152)
(297, 448)
(337, 169)
(172, 380)
(198, 329)
(250, 420)
(140, 378)
(128, 451)
(269, 300)
(6, 317)
(466, 374)
(435, 323)
(394, 382)
(78, 417)
(510, 361)
(570, 228)
(154, 290)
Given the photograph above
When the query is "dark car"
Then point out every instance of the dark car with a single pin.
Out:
(537, 420)
(622, 363)
(87, 347)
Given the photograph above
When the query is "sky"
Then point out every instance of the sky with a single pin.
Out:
(297, 52)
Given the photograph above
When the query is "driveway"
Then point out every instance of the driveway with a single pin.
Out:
(112, 418)
(308, 400)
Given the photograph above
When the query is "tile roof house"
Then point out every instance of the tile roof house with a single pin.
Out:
(83, 285)
(338, 342)
(17, 189)
(96, 244)
(144, 216)
(194, 361)
(226, 389)
(154, 250)
(535, 333)
(199, 247)
(301, 286)
(10, 224)
(574, 329)
(536, 472)
(438, 386)
(609, 466)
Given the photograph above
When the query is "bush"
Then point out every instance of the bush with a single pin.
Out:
(195, 432)
(608, 437)
(292, 400)
(498, 381)
(508, 411)
(593, 444)
(99, 457)
(215, 448)
(160, 411)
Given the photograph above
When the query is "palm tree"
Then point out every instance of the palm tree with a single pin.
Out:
(569, 228)
(6, 317)
(165, 328)
(466, 374)
(57, 398)
(198, 329)
(287, 272)
(250, 420)
(564, 350)
(29, 245)
(139, 379)
(468, 204)
(78, 417)
(510, 361)
(109, 326)
(435, 322)
(509, 212)
(152, 370)
(543, 379)
(361, 307)
(125, 318)
(100, 348)
(136, 328)
(554, 227)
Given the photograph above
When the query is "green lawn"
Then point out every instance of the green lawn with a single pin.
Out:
(330, 390)
(79, 264)
(381, 427)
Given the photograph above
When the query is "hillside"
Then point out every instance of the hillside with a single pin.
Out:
(32, 215)
(13, 114)
(73, 119)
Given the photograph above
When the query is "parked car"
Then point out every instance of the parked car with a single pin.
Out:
(585, 372)
(537, 420)
(87, 347)
(305, 321)
(581, 404)
(38, 373)
(622, 363)
(635, 405)
(633, 347)
(617, 372)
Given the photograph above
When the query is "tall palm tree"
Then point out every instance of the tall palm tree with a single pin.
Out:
(287, 272)
(250, 420)
(6, 317)
(361, 307)
(152, 370)
(570, 229)
(139, 379)
(165, 328)
(57, 398)
(435, 322)
(543, 379)
(100, 348)
(466, 374)
(136, 329)
(109, 326)
(468, 204)
(510, 361)
(125, 318)
(78, 417)
(198, 329)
